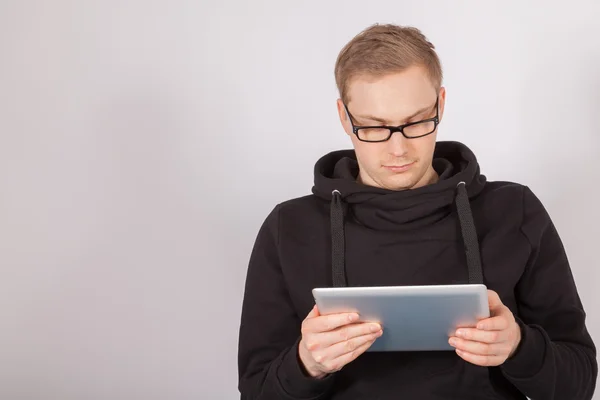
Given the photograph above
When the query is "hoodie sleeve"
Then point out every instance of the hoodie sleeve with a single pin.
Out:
(268, 363)
(556, 358)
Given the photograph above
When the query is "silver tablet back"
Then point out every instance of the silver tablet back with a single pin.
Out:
(414, 318)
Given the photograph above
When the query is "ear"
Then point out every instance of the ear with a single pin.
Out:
(344, 120)
(442, 102)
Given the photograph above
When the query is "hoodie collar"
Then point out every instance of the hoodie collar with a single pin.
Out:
(385, 209)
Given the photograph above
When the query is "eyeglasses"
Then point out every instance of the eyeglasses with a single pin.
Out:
(382, 133)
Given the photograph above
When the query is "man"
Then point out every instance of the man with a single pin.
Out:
(396, 211)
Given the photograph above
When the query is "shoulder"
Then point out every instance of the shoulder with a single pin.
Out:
(302, 210)
(503, 188)
(300, 203)
(297, 212)
(499, 206)
(504, 202)
(499, 195)
(506, 194)
(516, 194)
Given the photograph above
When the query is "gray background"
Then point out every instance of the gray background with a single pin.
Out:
(142, 143)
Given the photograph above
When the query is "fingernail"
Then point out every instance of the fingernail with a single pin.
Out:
(481, 326)
(352, 317)
(460, 333)
(374, 328)
(452, 342)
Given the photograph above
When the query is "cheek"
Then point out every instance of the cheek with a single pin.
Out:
(424, 148)
(368, 154)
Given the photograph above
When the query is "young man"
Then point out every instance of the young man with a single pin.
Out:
(403, 209)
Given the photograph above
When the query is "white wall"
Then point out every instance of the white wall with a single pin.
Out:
(142, 143)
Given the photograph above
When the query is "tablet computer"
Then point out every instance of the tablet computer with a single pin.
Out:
(414, 318)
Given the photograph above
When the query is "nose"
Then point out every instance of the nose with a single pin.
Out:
(397, 145)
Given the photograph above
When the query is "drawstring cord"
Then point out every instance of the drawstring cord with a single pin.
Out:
(337, 240)
(469, 234)
(467, 227)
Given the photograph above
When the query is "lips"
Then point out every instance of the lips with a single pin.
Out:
(400, 166)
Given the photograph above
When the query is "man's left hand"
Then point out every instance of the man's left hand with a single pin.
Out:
(493, 341)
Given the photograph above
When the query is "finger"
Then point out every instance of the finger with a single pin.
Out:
(362, 344)
(314, 312)
(339, 349)
(479, 348)
(479, 335)
(326, 323)
(483, 361)
(498, 323)
(494, 300)
(341, 334)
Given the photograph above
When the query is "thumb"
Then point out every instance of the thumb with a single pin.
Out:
(494, 300)
(314, 312)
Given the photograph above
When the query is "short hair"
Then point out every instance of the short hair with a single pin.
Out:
(383, 49)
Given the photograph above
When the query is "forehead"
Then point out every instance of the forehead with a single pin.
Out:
(391, 95)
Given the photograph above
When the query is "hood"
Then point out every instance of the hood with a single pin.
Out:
(460, 180)
(385, 209)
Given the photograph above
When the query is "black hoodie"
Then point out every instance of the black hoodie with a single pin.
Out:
(347, 233)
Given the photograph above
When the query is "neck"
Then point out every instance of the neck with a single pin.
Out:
(430, 177)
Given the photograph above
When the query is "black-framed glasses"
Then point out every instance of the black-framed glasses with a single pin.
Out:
(382, 133)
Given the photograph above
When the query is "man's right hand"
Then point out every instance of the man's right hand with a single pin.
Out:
(331, 341)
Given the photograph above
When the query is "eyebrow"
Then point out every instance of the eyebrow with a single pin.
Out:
(386, 122)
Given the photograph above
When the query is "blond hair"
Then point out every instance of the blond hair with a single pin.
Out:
(383, 49)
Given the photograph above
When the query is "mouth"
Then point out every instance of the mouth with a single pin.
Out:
(399, 168)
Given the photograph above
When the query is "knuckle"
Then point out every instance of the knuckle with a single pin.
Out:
(304, 328)
(510, 335)
(318, 358)
(330, 365)
(485, 348)
(353, 354)
(350, 346)
(494, 336)
(344, 334)
(311, 345)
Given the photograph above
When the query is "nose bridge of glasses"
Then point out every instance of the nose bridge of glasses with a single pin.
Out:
(397, 129)
(397, 141)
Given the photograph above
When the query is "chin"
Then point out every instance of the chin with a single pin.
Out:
(399, 182)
